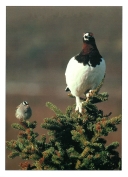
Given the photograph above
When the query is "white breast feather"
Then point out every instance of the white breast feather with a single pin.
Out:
(81, 79)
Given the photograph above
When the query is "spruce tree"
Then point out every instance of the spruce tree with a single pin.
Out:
(76, 142)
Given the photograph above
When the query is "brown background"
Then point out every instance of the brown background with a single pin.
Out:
(39, 43)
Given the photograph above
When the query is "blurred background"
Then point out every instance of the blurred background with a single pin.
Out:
(40, 41)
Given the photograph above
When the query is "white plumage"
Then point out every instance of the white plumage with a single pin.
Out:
(81, 78)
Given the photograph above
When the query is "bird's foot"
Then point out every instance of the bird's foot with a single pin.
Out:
(79, 107)
(90, 94)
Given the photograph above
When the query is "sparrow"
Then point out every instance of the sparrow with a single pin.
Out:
(23, 111)
(85, 71)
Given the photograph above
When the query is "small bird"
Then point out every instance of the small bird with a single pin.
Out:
(85, 71)
(23, 111)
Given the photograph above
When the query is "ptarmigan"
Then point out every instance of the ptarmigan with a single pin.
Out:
(85, 71)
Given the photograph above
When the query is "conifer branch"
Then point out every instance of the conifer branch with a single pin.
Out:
(75, 142)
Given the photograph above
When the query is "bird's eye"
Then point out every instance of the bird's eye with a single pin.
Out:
(86, 38)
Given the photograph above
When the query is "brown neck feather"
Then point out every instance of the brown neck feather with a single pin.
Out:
(86, 48)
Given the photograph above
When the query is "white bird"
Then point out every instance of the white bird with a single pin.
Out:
(85, 71)
(23, 111)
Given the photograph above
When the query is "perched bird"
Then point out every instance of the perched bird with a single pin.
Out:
(23, 111)
(85, 71)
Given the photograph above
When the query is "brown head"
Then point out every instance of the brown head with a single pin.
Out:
(88, 42)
